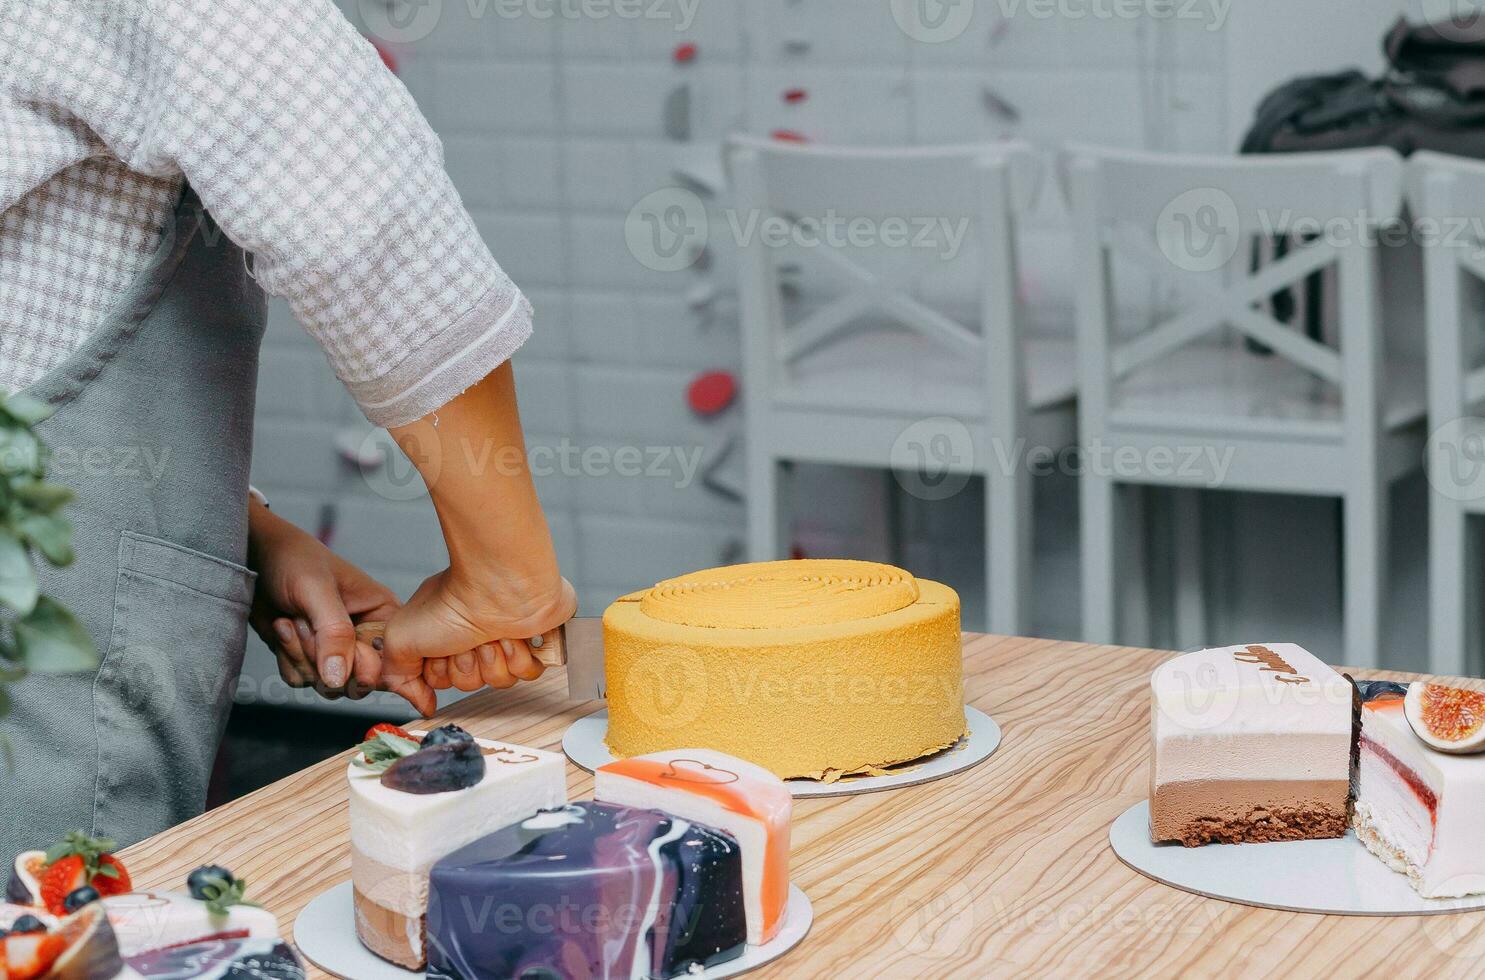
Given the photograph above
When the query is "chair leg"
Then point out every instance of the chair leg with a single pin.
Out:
(1448, 549)
(765, 530)
(1008, 529)
(1190, 609)
(1132, 503)
(1096, 506)
(1365, 559)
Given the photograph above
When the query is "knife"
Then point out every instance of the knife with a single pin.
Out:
(577, 644)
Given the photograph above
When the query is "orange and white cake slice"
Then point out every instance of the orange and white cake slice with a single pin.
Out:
(721, 791)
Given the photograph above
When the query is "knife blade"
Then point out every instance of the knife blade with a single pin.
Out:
(577, 644)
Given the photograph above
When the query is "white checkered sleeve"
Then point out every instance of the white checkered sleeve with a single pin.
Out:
(307, 152)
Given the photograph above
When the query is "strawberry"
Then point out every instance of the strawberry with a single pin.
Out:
(81, 860)
(30, 956)
(389, 728)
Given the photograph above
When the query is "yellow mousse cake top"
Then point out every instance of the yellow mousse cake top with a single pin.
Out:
(810, 668)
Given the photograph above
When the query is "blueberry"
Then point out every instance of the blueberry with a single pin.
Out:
(446, 735)
(208, 874)
(27, 924)
(1371, 690)
(439, 768)
(76, 899)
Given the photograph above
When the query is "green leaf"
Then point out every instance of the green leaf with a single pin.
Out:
(52, 640)
(377, 754)
(51, 534)
(20, 452)
(18, 588)
(45, 497)
(27, 410)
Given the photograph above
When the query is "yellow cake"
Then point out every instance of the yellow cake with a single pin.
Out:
(810, 668)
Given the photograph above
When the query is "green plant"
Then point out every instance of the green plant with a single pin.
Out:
(37, 635)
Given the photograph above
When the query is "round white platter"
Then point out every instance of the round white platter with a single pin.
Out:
(325, 933)
(1334, 877)
(583, 743)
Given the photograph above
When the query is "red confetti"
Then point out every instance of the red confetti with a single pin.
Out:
(795, 95)
(789, 136)
(685, 53)
(711, 392)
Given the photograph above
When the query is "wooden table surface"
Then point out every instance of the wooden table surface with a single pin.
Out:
(1002, 870)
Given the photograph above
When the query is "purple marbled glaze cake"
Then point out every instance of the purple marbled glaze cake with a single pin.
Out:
(587, 890)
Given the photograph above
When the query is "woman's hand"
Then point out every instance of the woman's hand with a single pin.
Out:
(305, 608)
(462, 635)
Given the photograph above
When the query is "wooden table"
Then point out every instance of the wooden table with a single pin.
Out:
(1002, 870)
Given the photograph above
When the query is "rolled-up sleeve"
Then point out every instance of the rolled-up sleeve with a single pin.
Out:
(309, 153)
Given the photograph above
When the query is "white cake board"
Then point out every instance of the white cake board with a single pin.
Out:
(1335, 877)
(325, 933)
(583, 744)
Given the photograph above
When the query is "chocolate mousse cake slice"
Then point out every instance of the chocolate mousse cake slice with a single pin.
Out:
(1251, 743)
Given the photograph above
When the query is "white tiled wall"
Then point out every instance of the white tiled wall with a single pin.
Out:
(553, 129)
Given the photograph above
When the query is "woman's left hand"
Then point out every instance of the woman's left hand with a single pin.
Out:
(305, 608)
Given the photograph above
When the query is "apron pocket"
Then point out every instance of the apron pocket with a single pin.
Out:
(165, 685)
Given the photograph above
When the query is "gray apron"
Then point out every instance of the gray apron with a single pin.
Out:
(153, 431)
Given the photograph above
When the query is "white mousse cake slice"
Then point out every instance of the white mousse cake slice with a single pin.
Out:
(1418, 809)
(1251, 743)
(414, 801)
(155, 920)
(724, 792)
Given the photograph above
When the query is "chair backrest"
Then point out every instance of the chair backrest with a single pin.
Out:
(974, 190)
(1191, 222)
(1447, 198)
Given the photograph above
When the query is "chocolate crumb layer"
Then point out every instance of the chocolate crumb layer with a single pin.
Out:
(1263, 826)
(1249, 811)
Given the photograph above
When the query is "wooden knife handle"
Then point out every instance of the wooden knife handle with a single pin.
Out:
(550, 648)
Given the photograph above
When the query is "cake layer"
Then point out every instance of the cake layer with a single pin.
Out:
(403, 892)
(810, 669)
(1419, 810)
(745, 800)
(1223, 811)
(588, 890)
(235, 959)
(390, 934)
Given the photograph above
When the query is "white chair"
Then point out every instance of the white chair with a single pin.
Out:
(1447, 197)
(1303, 418)
(847, 381)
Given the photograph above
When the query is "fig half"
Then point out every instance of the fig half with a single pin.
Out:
(1449, 719)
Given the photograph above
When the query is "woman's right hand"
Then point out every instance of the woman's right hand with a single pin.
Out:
(459, 632)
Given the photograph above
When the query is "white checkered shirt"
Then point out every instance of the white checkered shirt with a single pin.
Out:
(300, 143)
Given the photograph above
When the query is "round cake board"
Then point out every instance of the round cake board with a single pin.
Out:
(583, 744)
(325, 933)
(1333, 877)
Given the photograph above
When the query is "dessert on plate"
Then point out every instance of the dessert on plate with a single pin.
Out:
(416, 797)
(1251, 743)
(812, 668)
(746, 801)
(588, 889)
(1418, 802)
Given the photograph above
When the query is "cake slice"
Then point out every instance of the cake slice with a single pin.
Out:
(225, 959)
(144, 921)
(415, 798)
(587, 890)
(747, 801)
(1418, 809)
(1251, 743)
